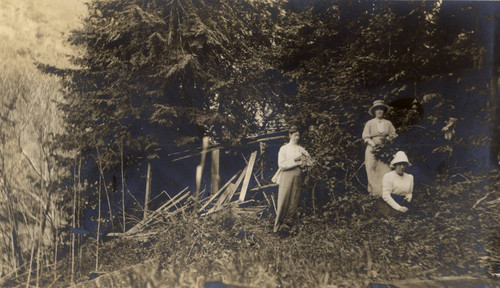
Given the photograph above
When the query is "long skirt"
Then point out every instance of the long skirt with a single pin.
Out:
(375, 171)
(382, 209)
(288, 195)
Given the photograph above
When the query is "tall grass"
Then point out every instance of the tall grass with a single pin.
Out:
(30, 32)
(443, 236)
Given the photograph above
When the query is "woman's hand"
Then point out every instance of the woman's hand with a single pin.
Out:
(371, 143)
(403, 209)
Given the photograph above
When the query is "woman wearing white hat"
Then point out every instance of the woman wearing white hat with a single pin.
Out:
(398, 185)
(376, 132)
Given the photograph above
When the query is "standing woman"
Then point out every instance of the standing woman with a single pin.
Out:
(377, 131)
(292, 158)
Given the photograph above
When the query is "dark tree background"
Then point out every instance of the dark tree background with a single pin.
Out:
(161, 74)
(155, 76)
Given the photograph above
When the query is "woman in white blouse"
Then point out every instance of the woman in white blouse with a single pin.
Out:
(292, 158)
(397, 185)
(377, 131)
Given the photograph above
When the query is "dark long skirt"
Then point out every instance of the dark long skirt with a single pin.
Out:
(385, 210)
(288, 195)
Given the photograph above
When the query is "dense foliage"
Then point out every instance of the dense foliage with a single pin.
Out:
(405, 53)
(154, 76)
(158, 73)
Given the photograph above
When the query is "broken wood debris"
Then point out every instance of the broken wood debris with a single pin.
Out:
(220, 200)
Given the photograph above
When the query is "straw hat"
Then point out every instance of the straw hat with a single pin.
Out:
(399, 157)
(378, 103)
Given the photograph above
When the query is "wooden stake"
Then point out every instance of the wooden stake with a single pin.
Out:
(262, 147)
(248, 175)
(215, 174)
(199, 171)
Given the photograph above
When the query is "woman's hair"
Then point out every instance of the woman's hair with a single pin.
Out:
(401, 163)
(381, 108)
(293, 129)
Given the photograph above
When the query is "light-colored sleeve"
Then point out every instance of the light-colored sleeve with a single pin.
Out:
(386, 191)
(283, 162)
(392, 130)
(366, 132)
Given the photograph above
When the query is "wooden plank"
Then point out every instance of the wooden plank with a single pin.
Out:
(156, 213)
(256, 179)
(172, 199)
(148, 191)
(264, 187)
(230, 204)
(218, 192)
(170, 203)
(248, 175)
(230, 196)
(219, 146)
(174, 203)
(229, 191)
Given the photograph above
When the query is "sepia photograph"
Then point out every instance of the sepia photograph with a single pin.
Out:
(249, 143)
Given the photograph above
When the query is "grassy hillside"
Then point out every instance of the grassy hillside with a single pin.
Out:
(450, 237)
(30, 31)
(37, 30)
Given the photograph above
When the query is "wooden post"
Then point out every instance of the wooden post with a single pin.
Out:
(215, 176)
(199, 171)
(248, 175)
(148, 191)
(262, 147)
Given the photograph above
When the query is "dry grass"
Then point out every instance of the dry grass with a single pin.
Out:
(37, 30)
(30, 31)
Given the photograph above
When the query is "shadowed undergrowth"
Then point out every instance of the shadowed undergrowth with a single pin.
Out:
(448, 232)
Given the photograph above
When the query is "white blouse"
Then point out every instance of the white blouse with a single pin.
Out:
(393, 183)
(376, 129)
(286, 158)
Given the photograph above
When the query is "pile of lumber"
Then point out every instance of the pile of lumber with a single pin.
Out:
(230, 196)
(223, 198)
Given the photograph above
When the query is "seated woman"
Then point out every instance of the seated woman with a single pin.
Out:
(397, 186)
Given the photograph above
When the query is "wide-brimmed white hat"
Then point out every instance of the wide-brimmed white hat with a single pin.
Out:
(378, 103)
(400, 157)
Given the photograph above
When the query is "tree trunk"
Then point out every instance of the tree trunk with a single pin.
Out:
(101, 171)
(98, 227)
(56, 231)
(75, 187)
